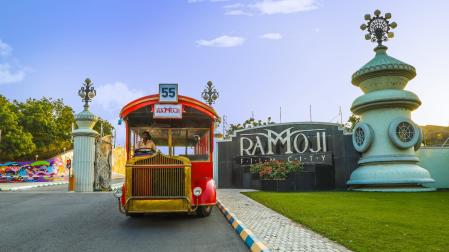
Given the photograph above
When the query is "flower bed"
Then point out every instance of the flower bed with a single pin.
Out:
(275, 170)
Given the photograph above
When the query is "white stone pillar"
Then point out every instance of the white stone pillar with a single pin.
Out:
(84, 151)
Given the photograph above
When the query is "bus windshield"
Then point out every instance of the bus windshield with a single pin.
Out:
(191, 143)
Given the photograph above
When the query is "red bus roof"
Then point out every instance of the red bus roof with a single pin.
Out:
(153, 99)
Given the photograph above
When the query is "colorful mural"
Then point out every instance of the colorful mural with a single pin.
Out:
(53, 169)
(39, 171)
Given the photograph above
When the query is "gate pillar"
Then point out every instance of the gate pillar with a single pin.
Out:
(84, 142)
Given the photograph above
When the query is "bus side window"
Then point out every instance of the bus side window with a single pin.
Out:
(192, 143)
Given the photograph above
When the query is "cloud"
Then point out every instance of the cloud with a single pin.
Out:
(10, 70)
(270, 7)
(5, 49)
(112, 97)
(10, 74)
(238, 13)
(236, 9)
(272, 36)
(233, 6)
(198, 1)
(222, 41)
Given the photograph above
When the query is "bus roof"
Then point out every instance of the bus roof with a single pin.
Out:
(153, 99)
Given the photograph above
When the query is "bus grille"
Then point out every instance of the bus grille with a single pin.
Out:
(158, 182)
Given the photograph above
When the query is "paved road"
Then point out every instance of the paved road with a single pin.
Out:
(58, 221)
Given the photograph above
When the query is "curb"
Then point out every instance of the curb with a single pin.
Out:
(247, 235)
(113, 187)
(33, 186)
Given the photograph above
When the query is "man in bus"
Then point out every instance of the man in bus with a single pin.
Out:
(146, 142)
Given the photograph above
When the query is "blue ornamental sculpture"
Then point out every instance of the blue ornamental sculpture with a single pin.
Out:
(386, 136)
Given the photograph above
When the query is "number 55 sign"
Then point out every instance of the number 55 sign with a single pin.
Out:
(168, 93)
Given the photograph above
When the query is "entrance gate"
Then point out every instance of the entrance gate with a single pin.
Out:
(324, 149)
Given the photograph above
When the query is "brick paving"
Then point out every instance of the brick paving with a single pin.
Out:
(278, 232)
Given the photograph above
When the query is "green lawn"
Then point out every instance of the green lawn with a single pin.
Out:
(369, 221)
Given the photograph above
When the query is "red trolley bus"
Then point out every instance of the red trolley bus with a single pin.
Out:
(169, 143)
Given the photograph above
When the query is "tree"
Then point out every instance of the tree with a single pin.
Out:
(107, 127)
(249, 123)
(352, 121)
(435, 135)
(15, 142)
(42, 127)
(49, 122)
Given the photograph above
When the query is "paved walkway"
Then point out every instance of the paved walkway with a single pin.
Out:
(277, 231)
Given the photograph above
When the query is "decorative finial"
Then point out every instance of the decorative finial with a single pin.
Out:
(378, 27)
(87, 93)
(210, 94)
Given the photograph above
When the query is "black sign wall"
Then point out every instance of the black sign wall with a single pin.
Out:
(324, 149)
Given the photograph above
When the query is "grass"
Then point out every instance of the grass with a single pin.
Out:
(369, 221)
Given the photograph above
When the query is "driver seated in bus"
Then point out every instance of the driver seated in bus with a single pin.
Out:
(146, 142)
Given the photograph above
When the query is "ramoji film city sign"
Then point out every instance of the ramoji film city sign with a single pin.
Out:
(290, 144)
(323, 148)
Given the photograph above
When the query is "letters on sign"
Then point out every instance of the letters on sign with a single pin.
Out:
(167, 111)
(306, 146)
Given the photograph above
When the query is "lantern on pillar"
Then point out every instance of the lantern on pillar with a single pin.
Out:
(210, 94)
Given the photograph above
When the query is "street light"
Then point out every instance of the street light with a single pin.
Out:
(210, 94)
(36, 156)
(87, 93)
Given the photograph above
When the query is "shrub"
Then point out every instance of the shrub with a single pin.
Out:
(275, 169)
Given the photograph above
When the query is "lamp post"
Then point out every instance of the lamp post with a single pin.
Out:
(84, 136)
(36, 156)
(210, 94)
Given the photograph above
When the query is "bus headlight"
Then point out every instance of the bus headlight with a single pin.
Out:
(118, 193)
(197, 191)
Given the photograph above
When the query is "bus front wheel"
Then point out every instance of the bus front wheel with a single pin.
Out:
(204, 211)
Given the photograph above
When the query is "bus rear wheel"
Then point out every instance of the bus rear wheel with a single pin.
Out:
(204, 211)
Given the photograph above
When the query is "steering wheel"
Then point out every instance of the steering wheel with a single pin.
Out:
(143, 151)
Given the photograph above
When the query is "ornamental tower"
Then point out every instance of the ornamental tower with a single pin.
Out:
(386, 136)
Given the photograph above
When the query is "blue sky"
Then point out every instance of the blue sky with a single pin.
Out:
(260, 54)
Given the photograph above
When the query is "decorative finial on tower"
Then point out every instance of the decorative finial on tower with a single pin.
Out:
(87, 93)
(378, 27)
